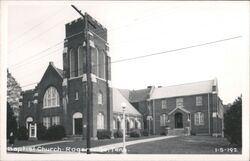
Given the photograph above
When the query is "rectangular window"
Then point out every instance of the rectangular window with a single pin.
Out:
(189, 116)
(100, 121)
(164, 104)
(76, 97)
(199, 101)
(55, 120)
(29, 104)
(199, 118)
(99, 97)
(46, 122)
(163, 120)
(179, 102)
(114, 124)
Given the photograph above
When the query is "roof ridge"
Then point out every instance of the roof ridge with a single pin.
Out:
(57, 69)
(187, 83)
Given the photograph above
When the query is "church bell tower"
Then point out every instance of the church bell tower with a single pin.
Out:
(75, 77)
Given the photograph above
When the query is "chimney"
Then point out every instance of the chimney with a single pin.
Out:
(51, 63)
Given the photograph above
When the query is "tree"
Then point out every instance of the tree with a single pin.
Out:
(13, 93)
(233, 122)
(11, 121)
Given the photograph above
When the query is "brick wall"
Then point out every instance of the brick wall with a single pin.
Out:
(189, 103)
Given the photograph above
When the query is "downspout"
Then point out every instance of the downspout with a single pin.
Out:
(209, 132)
(154, 117)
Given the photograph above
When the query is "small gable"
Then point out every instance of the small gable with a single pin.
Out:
(52, 74)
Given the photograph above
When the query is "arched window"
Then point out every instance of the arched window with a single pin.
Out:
(51, 98)
(101, 62)
(118, 122)
(81, 61)
(94, 60)
(99, 98)
(131, 124)
(72, 62)
(137, 124)
(100, 121)
(114, 124)
(29, 120)
(163, 119)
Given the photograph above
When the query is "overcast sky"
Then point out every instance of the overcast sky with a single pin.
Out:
(135, 29)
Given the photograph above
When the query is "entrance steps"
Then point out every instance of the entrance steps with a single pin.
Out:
(177, 132)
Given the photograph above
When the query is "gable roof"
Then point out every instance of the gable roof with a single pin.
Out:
(118, 99)
(183, 109)
(139, 95)
(135, 95)
(125, 93)
(51, 65)
(60, 71)
(183, 89)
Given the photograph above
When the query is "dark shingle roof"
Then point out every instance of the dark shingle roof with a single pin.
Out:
(135, 95)
(60, 71)
(139, 95)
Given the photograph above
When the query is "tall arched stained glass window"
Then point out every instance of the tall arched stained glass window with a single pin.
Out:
(51, 98)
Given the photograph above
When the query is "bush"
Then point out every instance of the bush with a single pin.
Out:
(41, 132)
(163, 133)
(145, 132)
(135, 133)
(22, 133)
(118, 134)
(103, 134)
(56, 132)
(192, 132)
(233, 123)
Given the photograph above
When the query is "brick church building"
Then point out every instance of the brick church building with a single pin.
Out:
(192, 107)
(60, 96)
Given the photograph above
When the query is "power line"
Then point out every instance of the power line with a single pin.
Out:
(40, 34)
(41, 52)
(137, 20)
(168, 51)
(163, 52)
(35, 26)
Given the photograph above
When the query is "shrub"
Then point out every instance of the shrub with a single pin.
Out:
(233, 123)
(56, 132)
(103, 134)
(144, 132)
(192, 132)
(41, 132)
(163, 133)
(118, 134)
(22, 133)
(135, 133)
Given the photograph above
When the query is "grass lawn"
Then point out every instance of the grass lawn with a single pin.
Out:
(76, 143)
(94, 143)
(186, 145)
(177, 145)
(27, 142)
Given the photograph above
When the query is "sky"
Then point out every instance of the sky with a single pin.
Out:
(36, 32)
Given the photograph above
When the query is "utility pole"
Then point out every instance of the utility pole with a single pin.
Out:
(89, 84)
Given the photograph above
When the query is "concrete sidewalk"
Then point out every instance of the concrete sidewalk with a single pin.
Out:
(119, 145)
